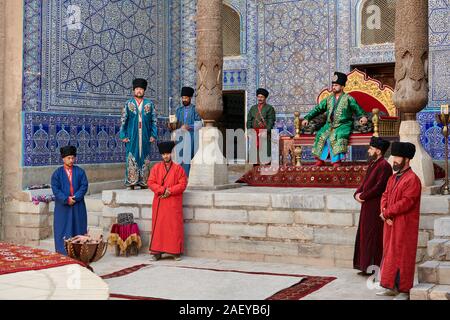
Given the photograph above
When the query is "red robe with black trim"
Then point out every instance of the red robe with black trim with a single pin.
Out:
(401, 204)
(167, 214)
(369, 238)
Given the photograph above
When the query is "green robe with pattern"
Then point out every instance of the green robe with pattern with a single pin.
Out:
(254, 121)
(337, 128)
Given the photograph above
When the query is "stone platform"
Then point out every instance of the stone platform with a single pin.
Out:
(307, 226)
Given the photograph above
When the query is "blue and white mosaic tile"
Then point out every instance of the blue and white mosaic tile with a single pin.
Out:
(81, 55)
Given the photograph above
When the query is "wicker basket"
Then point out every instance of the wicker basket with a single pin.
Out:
(86, 252)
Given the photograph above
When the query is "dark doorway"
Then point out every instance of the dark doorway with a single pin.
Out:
(233, 118)
(382, 72)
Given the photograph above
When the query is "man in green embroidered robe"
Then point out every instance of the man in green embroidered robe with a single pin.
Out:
(332, 138)
(138, 131)
(261, 118)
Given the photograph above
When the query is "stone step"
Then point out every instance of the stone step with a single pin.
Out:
(442, 227)
(430, 291)
(94, 203)
(439, 249)
(437, 272)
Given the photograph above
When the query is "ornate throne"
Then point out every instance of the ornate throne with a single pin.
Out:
(372, 96)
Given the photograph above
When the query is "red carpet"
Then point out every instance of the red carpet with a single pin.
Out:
(298, 291)
(15, 258)
(350, 175)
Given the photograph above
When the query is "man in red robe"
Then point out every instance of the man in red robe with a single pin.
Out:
(400, 211)
(168, 181)
(369, 238)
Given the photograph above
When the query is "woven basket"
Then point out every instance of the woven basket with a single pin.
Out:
(86, 252)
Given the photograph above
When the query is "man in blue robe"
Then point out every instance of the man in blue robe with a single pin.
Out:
(188, 124)
(69, 185)
(138, 131)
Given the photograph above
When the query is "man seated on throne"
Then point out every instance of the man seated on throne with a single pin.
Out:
(332, 138)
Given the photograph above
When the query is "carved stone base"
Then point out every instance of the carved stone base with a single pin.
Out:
(422, 164)
(209, 167)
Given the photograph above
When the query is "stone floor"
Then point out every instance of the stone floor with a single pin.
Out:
(62, 283)
(347, 286)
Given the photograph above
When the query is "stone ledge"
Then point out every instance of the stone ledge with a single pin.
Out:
(427, 272)
(296, 201)
(29, 207)
(443, 273)
(324, 218)
(442, 227)
(252, 200)
(198, 199)
(421, 291)
(290, 232)
(134, 197)
(434, 204)
(238, 230)
(344, 236)
(220, 215)
(270, 216)
(342, 203)
(436, 248)
(440, 292)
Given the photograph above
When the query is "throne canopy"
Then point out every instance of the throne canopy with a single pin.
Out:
(368, 93)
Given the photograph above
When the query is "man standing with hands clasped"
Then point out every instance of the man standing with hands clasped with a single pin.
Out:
(167, 181)
(369, 238)
(69, 185)
(400, 210)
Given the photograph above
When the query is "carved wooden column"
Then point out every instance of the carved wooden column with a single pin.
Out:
(209, 60)
(411, 75)
(209, 166)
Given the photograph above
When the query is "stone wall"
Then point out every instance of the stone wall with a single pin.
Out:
(298, 226)
(11, 106)
(95, 172)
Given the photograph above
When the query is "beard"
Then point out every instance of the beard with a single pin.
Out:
(397, 167)
(139, 96)
(372, 158)
(186, 103)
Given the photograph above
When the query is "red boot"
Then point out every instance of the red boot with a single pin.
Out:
(319, 162)
(337, 164)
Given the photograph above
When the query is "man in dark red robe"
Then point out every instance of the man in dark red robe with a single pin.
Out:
(369, 238)
(168, 181)
(400, 211)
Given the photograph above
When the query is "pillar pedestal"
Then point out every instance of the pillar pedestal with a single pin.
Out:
(209, 169)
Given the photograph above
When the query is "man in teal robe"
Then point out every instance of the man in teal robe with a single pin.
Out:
(332, 138)
(188, 124)
(138, 131)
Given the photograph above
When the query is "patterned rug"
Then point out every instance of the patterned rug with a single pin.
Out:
(15, 258)
(300, 285)
(350, 175)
